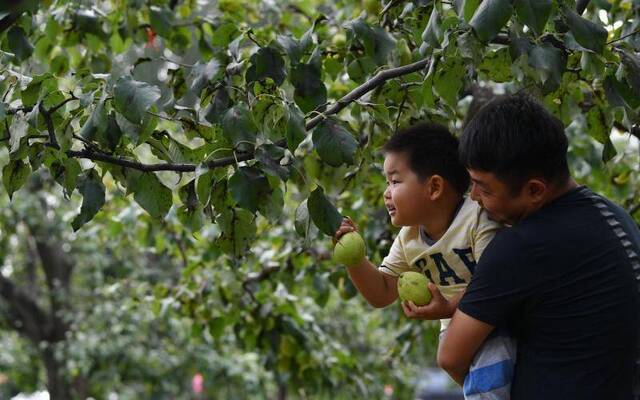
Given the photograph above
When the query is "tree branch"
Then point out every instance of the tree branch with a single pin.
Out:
(50, 128)
(379, 79)
(23, 309)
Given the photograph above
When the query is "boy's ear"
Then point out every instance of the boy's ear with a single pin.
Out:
(435, 187)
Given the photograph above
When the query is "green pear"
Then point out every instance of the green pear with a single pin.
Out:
(350, 249)
(412, 286)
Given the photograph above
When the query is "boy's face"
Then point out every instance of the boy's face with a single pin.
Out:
(406, 196)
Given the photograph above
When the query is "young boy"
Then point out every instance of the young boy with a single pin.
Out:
(443, 233)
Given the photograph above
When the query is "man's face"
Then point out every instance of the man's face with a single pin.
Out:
(495, 197)
(406, 196)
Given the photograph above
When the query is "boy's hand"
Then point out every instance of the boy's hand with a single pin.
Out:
(347, 226)
(438, 307)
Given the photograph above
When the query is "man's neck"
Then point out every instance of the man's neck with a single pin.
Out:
(561, 190)
(554, 193)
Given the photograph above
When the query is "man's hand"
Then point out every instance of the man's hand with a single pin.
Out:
(347, 226)
(438, 307)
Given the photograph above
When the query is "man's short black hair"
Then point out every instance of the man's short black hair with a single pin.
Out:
(432, 150)
(516, 138)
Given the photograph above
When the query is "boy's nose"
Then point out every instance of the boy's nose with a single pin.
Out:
(474, 193)
(387, 193)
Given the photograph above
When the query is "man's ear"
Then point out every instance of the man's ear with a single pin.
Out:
(435, 187)
(536, 190)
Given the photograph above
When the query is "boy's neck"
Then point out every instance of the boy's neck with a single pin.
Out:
(442, 217)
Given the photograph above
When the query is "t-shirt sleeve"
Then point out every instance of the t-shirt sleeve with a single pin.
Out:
(395, 262)
(499, 285)
(483, 234)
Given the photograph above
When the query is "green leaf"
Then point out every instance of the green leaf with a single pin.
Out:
(449, 78)
(466, 8)
(134, 98)
(310, 91)
(97, 124)
(218, 107)
(588, 34)
(272, 208)
(360, 68)
(378, 43)
(224, 34)
(490, 17)
(433, 33)
(205, 180)
(154, 197)
(550, 63)
(161, 19)
(45, 83)
(19, 44)
(14, 175)
(238, 231)
(18, 130)
(427, 87)
(92, 191)
(249, 188)
(302, 221)
(632, 67)
(534, 13)
(72, 169)
(599, 128)
(269, 156)
(323, 214)
(266, 63)
(296, 128)
(334, 143)
(239, 128)
(497, 65)
(620, 94)
(191, 217)
(291, 46)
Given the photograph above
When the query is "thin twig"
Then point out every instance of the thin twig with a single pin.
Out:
(50, 128)
(624, 37)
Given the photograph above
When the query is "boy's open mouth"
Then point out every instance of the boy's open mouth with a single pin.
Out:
(391, 209)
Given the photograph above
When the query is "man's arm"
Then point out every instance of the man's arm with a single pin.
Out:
(461, 341)
(378, 288)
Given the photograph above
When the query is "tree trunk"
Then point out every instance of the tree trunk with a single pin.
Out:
(58, 387)
(282, 391)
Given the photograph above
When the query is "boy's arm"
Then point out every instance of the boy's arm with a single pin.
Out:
(378, 288)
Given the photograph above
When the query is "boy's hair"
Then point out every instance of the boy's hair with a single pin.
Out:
(432, 150)
(515, 138)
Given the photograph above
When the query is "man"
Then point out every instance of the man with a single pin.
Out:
(563, 279)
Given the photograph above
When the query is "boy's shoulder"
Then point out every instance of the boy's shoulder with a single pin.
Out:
(472, 216)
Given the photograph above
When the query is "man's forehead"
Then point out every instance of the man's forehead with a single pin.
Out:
(480, 177)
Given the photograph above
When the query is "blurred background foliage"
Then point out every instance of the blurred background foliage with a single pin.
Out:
(157, 158)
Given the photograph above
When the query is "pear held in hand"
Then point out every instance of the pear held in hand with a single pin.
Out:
(412, 286)
(350, 249)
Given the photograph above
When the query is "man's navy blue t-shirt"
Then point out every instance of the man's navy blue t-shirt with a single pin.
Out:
(565, 280)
